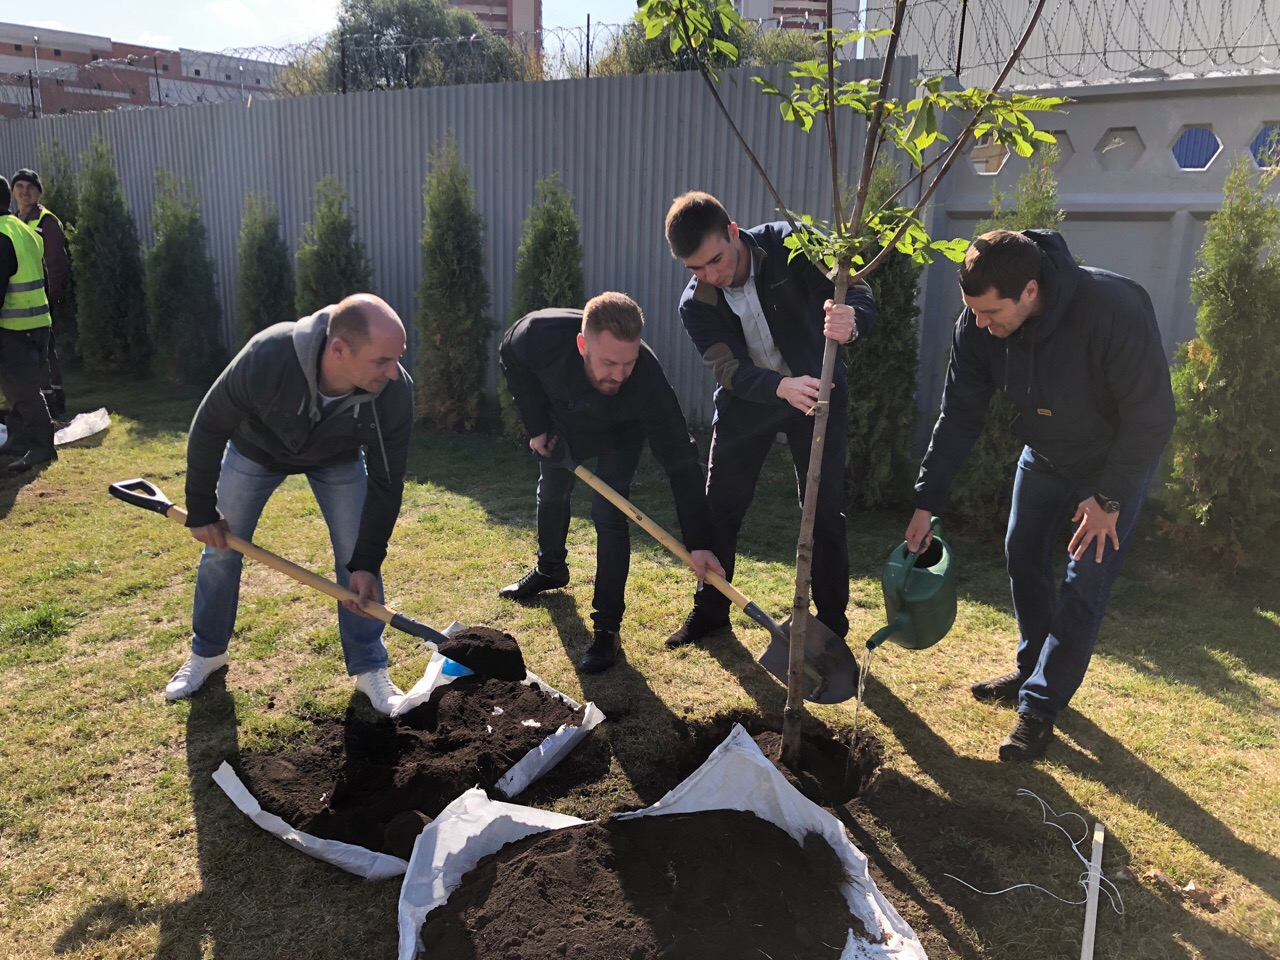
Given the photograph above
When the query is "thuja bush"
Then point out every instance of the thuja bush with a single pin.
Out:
(548, 271)
(1225, 486)
(879, 470)
(111, 310)
(62, 197)
(982, 492)
(182, 299)
(453, 300)
(332, 263)
(264, 274)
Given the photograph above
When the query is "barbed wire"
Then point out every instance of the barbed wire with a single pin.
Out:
(1077, 40)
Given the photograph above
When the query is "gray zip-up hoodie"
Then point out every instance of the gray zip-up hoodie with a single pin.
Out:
(266, 402)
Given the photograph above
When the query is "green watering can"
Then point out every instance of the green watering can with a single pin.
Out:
(919, 595)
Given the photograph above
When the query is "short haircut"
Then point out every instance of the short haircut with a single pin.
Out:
(4, 195)
(349, 322)
(613, 313)
(691, 219)
(1003, 260)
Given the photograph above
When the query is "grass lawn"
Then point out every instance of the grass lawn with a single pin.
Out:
(114, 843)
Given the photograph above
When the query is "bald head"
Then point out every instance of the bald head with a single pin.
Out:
(366, 341)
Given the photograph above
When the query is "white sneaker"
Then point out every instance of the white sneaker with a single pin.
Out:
(192, 675)
(382, 693)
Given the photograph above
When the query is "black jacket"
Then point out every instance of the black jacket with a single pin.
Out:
(1088, 376)
(791, 295)
(545, 373)
(265, 402)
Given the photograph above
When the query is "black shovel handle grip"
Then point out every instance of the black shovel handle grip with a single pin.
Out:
(141, 493)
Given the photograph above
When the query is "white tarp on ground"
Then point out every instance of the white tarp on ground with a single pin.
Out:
(379, 866)
(737, 776)
(84, 425)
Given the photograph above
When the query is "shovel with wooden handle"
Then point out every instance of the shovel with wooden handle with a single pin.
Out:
(145, 494)
(830, 671)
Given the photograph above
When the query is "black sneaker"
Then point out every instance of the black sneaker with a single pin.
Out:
(533, 582)
(603, 652)
(697, 624)
(1027, 740)
(33, 458)
(999, 690)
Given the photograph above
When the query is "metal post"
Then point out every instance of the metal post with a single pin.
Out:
(31, 83)
(155, 66)
(342, 53)
(35, 52)
(588, 46)
(964, 12)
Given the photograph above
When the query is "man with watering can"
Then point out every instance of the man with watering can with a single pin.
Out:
(325, 397)
(585, 378)
(1078, 352)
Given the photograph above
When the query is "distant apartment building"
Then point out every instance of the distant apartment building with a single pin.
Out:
(506, 18)
(57, 71)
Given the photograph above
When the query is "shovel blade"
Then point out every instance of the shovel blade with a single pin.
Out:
(831, 669)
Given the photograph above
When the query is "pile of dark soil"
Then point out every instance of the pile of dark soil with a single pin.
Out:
(376, 784)
(831, 771)
(485, 650)
(721, 884)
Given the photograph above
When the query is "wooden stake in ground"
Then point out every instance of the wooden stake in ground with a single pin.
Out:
(1091, 901)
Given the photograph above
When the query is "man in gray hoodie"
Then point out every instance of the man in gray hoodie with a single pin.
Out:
(326, 397)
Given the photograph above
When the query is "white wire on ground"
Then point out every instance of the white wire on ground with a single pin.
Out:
(1109, 888)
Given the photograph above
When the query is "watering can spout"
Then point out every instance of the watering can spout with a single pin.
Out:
(887, 631)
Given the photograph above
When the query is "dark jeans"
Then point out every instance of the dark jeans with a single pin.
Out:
(1058, 623)
(22, 354)
(740, 442)
(613, 532)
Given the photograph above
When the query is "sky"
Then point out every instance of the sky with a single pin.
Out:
(222, 24)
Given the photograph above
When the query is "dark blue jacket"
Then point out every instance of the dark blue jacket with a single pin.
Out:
(1088, 376)
(791, 295)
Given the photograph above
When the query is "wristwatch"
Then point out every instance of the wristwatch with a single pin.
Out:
(1107, 505)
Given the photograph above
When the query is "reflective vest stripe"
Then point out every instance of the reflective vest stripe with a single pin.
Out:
(19, 313)
(25, 287)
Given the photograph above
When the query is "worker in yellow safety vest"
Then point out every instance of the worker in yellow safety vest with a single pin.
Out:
(27, 191)
(25, 322)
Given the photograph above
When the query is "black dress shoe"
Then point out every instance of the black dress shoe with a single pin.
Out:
(1027, 740)
(603, 652)
(533, 582)
(33, 458)
(697, 624)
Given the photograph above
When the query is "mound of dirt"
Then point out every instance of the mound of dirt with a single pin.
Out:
(720, 884)
(375, 784)
(487, 651)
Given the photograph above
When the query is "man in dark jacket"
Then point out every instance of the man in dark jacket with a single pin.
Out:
(1078, 352)
(585, 378)
(761, 320)
(325, 397)
(57, 268)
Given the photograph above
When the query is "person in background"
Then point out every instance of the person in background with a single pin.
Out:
(57, 269)
(24, 336)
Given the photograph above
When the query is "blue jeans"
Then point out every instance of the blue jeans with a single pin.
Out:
(1058, 627)
(613, 532)
(244, 487)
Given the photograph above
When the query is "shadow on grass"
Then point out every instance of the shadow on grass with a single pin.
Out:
(186, 926)
(965, 830)
(155, 407)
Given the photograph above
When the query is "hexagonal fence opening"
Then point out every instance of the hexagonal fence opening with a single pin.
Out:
(1119, 148)
(987, 156)
(1066, 150)
(1196, 148)
(1265, 147)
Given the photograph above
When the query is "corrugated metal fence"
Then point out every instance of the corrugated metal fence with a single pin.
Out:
(623, 146)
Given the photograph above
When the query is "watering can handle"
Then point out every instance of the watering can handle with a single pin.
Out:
(935, 527)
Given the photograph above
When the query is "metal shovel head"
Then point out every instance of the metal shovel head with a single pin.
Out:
(829, 657)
